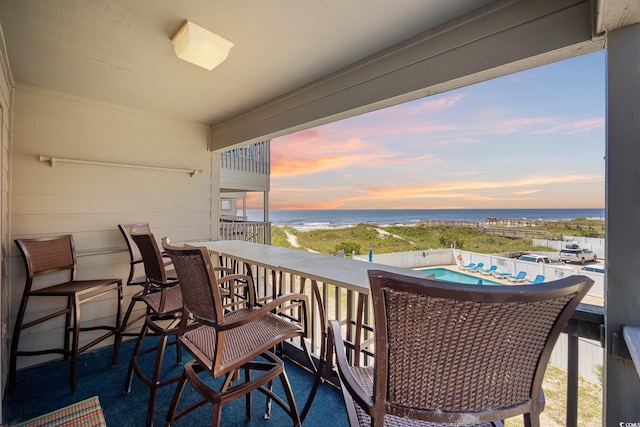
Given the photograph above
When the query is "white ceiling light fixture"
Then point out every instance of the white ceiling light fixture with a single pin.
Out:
(199, 46)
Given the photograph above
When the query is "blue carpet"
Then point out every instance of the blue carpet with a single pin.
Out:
(45, 388)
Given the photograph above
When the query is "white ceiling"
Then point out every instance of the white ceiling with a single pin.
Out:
(120, 51)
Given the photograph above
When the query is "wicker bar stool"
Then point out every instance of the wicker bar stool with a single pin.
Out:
(48, 255)
(164, 319)
(137, 277)
(456, 354)
(227, 343)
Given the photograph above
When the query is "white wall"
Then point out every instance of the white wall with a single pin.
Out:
(413, 259)
(88, 201)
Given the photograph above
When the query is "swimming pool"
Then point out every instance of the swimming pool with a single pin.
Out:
(454, 276)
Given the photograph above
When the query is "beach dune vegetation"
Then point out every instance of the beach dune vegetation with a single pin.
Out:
(387, 239)
(399, 238)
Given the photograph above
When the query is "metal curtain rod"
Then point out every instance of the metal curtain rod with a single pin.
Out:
(53, 160)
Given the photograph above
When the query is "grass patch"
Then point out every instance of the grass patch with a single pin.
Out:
(279, 236)
(555, 392)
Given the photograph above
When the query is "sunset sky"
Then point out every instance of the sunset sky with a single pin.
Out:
(535, 139)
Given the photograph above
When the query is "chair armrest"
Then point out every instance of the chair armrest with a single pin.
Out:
(228, 280)
(165, 260)
(268, 308)
(225, 269)
(347, 380)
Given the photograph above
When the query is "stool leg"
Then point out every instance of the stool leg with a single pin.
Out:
(247, 402)
(67, 325)
(15, 339)
(293, 409)
(134, 355)
(117, 340)
(155, 380)
(319, 370)
(216, 414)
(175, 399)
(75, 343)
(267, 408)
(125, 320)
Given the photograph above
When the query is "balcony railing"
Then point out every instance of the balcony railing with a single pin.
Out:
(347, 302)
(253, 158)
(248, 231)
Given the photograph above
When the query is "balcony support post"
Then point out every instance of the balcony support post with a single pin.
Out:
(572, 380)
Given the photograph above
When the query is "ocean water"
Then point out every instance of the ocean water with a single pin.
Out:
(328, 218)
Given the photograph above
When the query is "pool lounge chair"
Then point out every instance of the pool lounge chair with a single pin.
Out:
(502, 274)
(489, 270)
(519, 278)
(468, 266)
(539, 279)
(477, 267)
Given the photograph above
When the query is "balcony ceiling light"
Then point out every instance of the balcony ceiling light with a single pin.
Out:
(199, 46)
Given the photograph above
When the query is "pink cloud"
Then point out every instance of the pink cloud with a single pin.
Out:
(509, 126)
(523, 192)
(314, 145)
(307, 166)
(431, 128)
(470, 189)
(575, 127)
(434, 105)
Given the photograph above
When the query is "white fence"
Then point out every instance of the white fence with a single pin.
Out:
(415, 259)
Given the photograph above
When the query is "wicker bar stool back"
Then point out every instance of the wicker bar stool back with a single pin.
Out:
(48, 255)
(454, 353)
(227, 343)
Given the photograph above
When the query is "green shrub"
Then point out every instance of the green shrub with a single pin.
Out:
(348, 248)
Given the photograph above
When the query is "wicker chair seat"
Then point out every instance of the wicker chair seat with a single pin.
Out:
(76, 287)
(172, 301)
(242, 343)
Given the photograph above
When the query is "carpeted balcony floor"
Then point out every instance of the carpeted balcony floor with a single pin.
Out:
(45, 388)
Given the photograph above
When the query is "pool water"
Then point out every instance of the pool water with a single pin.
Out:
(454, 276)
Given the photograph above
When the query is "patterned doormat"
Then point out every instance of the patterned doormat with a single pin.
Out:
(86, 413)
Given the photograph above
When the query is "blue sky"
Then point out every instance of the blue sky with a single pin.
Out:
(534, 139)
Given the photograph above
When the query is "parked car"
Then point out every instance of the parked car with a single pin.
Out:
(577, 255)
(593, 268)
(534, 258)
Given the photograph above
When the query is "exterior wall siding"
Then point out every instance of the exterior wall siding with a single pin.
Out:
(6, 107)
(88, 201)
